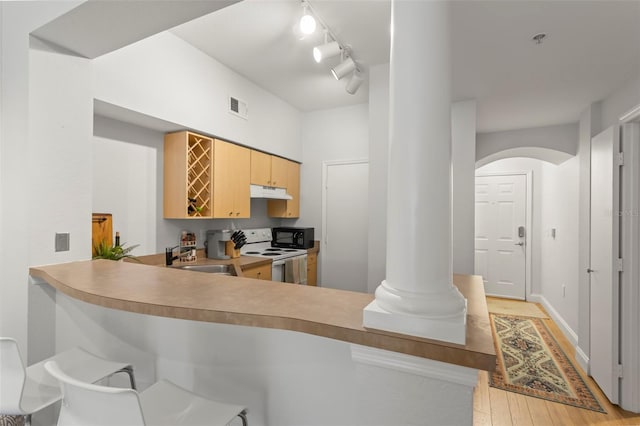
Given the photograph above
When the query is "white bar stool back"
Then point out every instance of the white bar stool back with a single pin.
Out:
(163, 403)
(24, 391)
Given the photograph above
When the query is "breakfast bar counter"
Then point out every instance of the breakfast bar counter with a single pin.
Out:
(330, 313)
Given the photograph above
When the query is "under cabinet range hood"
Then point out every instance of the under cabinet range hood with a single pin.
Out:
(259, 191)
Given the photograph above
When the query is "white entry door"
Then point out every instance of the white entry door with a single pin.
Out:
(604, 274)
(500, 234)
(345, 226)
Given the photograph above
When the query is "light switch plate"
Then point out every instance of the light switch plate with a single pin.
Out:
(62, 241)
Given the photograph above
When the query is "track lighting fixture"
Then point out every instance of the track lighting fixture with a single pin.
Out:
(354, 82)
(326, 50)
(343, 68)
(307, 21)
(330, 48)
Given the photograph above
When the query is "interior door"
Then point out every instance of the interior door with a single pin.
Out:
(344, 254)
(604, 275)
(500, 234)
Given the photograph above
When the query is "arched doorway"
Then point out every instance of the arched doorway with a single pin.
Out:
(549, 233)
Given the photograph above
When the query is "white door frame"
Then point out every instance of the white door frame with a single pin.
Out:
(325, 174)
(630, 306)
(529, 222)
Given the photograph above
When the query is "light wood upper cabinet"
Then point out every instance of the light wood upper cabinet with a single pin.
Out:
(187, 175)
(288, 208)
(231, 176)
(279, 172)
(260, 168)
(209, 178)
(268, 170)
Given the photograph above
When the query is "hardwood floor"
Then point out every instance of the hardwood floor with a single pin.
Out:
(496, 407)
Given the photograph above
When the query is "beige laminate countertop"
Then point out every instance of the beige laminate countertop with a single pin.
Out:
(326, 312)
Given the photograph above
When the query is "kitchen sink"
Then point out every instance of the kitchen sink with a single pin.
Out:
(211, 269)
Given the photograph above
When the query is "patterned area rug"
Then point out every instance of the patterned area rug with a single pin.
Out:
(531, 362)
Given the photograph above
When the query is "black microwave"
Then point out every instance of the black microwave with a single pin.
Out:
(296, 238)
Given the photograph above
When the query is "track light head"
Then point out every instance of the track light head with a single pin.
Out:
(343, 68)
(307, 21)
(354, 82)
(326, 50)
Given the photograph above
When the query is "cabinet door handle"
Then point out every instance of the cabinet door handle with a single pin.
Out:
(237, 213)
(230, 213)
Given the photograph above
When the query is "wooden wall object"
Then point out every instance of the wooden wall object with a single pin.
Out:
(101, 230)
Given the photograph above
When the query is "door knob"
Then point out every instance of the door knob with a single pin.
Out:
(519, 244)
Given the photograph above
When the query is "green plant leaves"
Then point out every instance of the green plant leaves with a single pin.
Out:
(107, 251)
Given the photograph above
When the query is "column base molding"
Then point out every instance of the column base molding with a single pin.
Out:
(451, 329)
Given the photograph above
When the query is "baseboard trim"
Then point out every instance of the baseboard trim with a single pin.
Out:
(582, 359)
(562, 324)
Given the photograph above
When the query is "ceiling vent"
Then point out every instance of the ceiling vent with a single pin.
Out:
(238, 107)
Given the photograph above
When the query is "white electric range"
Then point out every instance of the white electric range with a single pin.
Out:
(259, 245)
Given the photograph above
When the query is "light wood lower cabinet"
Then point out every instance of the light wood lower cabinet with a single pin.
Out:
(288, 208)
(312, 269)
(262, 272)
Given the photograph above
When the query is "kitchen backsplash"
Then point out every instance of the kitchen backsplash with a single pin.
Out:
(169, 230)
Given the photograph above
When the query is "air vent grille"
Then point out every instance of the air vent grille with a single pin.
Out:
(238, 107)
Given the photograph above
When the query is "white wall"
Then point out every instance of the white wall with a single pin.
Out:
(328, 135)
(137, 207)
(167, 78)
(60, 163)
(125, 181)
(378, 169)
(559, 255)
(619, 102)
(558, 138)
(463, 157)
(19, 178)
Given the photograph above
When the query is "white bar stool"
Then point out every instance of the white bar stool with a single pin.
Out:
(163, 403)
(27, 391)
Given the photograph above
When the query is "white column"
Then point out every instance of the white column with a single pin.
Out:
(418, 297)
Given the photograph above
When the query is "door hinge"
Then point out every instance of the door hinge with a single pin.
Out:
(620, 159)
(619, 265)
(617, 370)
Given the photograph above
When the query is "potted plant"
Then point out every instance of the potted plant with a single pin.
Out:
(116, 252)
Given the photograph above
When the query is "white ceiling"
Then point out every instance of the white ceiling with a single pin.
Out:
(88, 28)
(592, 48)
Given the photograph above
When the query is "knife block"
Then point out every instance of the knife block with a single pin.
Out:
(230, 251)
